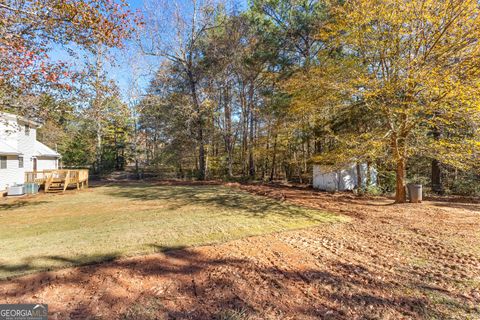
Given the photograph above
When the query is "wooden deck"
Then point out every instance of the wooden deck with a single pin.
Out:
(58, 180)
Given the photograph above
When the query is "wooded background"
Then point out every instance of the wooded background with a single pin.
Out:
(262, 93)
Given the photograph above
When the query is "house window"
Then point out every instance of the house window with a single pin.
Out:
(27, 130)
(20, 162)
(3, 162)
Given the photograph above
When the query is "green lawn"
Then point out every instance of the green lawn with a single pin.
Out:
(103, 223)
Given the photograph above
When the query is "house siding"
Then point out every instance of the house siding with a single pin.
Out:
(26, 145)
(46, 163)
(12, 132)
(12, 174)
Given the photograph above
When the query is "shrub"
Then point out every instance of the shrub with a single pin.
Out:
(466, 187)
(374, 191)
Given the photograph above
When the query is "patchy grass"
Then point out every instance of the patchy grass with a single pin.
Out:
(145, 310)
(49, 232)
(241, 314)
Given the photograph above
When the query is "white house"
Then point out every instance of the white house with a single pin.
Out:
(20, 151)
(330, 178)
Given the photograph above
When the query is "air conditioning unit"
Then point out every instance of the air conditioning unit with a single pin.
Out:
(16, 190)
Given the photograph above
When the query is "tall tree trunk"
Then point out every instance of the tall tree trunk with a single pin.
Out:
(147, 153)
(398, 144)
(369, 174)
(359, 178)
(98, 150)
(228, 133)
(201, 154)
(400, 192)
(251, 163)
(115, 142)
(267, 149)
(206, 164)
(307, 158)
(200, 138)
(274, 157)
(244, 121)
(97, 105)
(437, 185)
(180, 171)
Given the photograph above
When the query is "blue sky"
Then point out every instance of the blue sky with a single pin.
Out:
(121, 69)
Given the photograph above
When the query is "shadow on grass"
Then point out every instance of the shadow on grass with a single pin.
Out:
(54, 262)
(218, 285)
(20, 204)
(165, 249)
(216, 197)
(57, 262)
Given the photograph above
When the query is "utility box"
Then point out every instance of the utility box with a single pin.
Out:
(31, 188)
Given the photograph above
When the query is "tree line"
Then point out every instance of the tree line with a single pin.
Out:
(265, 92)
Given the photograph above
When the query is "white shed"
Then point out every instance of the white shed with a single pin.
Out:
(330, 178)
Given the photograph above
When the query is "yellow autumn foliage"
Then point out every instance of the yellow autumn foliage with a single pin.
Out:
(415, 66)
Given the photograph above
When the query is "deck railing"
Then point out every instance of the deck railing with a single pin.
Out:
(70, 176)
(37, 176)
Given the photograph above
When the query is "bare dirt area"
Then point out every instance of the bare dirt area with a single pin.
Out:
(412, 261)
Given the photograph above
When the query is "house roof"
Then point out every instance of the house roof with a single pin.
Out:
(42, 150)
(6, 149)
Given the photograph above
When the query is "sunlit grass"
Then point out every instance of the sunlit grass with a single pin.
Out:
(103, 223)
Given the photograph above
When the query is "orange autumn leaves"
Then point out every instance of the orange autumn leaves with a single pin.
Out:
(28, 29)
